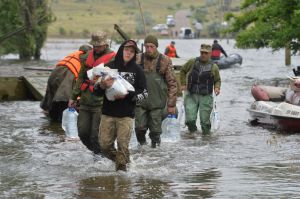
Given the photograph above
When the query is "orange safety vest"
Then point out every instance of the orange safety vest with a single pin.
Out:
(216, 53)
(172, 51)
(90, 63)
(72, 61)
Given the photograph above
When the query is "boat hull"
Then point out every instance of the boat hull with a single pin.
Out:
(282, 116)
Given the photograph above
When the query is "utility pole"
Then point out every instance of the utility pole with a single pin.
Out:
(142, 15)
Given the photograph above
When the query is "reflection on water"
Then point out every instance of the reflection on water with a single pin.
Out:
(239, 161)
(194, 185)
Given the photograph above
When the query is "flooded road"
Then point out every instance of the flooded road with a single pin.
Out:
(239, 161)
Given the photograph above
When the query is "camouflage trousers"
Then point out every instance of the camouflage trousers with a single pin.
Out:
(88, 127)
(120, 129)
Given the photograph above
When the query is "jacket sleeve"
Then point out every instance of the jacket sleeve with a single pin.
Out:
(170, 80)
(140, 87)
(185, 70)
(217, 77)
(223, 51)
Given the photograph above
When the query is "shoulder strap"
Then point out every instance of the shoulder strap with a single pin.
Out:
(197, 62)
(158, 63)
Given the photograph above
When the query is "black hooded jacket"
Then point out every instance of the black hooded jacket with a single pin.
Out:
(134, 74)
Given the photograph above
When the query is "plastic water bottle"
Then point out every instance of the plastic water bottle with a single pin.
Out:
(171, 128)
(69, 122)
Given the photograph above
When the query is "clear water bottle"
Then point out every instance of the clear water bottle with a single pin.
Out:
(69, 122)
(171, 128)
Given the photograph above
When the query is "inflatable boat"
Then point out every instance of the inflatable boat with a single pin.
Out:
(227, 62)
(271, 109)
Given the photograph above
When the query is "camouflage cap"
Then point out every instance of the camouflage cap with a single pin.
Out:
(99, 39)
(205, 48)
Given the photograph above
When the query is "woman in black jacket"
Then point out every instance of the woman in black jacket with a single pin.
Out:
(117, 116)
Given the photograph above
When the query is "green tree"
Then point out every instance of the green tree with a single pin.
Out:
(200, 14)
(267, 23)
(24, 26)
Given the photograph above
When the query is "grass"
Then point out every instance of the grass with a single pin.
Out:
(78, 18)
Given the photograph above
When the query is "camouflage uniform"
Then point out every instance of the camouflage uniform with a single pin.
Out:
(90, 105)
(162, 92)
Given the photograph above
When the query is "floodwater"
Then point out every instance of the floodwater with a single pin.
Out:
(239, 161)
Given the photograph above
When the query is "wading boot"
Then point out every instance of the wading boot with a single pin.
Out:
(155, 142)
(141, 136)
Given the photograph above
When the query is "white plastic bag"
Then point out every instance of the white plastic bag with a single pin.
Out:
(127, 85)
(120, 87)
(69, 123)
(101, 71)
(215, 117)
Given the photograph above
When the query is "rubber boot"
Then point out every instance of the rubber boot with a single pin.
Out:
(141, 136)
(155, 139)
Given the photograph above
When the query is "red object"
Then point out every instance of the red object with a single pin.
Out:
(259, 93)
(216, 53)
(172, 51)
(91, 62)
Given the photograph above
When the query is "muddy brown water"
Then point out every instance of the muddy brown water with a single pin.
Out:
(239, 161)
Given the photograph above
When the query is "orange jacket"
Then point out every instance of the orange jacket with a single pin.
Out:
(172, 51)
(72, 61)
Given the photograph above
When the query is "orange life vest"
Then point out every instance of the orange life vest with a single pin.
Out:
(216, 53)
(172, 51)
(90, 63)
(72, 61)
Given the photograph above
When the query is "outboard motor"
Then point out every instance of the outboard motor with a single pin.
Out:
(297, 71)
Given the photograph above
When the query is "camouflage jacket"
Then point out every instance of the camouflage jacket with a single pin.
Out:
(166, 70)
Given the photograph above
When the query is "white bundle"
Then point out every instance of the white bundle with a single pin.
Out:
(120, 87)
(101, 71)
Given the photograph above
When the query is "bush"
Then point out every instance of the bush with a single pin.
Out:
(62, 31)
(214, 29)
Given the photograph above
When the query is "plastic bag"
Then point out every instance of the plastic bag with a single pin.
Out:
(69, 123)
(117, 88)
(181, 115)
(101, 71)
(215, 118)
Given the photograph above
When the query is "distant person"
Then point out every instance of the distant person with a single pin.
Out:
(217, 49)
(90, 105)
(117, 116)
(292, 95)
(199, 78)
(162, 92)
(171, 50)
(61, 82)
